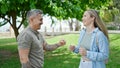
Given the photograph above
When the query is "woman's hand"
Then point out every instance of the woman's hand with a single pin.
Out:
(82, 51)
(72, 47)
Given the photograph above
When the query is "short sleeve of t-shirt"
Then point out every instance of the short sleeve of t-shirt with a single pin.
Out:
(24, 41)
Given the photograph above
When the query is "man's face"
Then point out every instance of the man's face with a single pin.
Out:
(36, 22)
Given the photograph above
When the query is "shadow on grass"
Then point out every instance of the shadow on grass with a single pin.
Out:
(9, 57)
(61, 59)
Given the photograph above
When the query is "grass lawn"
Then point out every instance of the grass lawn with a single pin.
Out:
(60, 58)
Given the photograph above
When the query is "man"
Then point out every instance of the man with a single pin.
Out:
(31, 43)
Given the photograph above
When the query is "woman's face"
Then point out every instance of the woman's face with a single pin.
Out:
(87, 19)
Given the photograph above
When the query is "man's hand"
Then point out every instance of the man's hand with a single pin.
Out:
(62, 42)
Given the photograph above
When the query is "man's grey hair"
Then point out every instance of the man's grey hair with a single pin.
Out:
(33, 12)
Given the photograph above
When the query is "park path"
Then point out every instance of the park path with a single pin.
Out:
(6, 35)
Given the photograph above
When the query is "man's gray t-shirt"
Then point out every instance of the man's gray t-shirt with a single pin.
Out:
(33, 40)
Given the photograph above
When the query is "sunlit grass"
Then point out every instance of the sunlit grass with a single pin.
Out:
(60, 58)
(7, 41)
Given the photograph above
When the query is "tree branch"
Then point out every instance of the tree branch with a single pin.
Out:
(8, 20)
(23, 18)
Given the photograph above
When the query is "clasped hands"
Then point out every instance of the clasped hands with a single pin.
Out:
(82, 51)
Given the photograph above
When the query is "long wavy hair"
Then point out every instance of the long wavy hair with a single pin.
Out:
(98, 22)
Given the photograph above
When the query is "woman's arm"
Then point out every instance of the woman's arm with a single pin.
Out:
(103, 52)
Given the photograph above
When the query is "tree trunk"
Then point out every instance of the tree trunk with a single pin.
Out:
(16, 32)
(60, 27)
(70, 24)
(14, 23)
(77, 26)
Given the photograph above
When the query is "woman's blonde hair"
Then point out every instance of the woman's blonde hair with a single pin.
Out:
(98, 22)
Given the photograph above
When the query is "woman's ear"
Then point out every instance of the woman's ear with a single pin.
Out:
(93, 18)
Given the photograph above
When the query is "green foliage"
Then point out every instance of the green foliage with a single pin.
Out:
(62, 9)
(107, 16)
(4, 8)
(112, 28)
(58, 8)
(25, 23)
(116, 4)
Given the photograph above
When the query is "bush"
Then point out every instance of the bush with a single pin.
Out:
(112, 28)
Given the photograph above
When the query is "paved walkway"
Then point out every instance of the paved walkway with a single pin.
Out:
(114, 31)
(76, 32)
(8, 35)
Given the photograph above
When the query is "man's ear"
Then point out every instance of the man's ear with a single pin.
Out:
(31, 19)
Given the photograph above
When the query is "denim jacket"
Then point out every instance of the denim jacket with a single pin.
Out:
(98, 53)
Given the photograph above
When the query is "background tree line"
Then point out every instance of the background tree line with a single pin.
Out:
(11, 10)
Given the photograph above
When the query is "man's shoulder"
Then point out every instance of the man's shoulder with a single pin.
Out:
(25, 32)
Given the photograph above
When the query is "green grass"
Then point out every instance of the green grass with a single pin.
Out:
(60, 58)
(7, 41)
(8, 53)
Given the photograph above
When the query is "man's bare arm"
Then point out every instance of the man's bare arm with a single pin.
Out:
(23, 53)
(53, 46)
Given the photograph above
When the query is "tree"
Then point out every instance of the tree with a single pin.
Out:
(116, 4)
(77, 25)
(10, 10)
(112, 14)
(107, 15)
(2, 23)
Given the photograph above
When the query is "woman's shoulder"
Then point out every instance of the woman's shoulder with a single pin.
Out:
(100, 35)
(82, 31)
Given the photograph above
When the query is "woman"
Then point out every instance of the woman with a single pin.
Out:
(93, 43)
